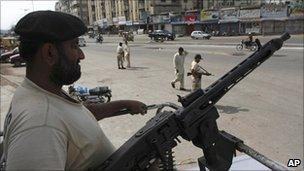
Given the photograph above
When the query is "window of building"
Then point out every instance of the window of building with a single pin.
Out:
(163, 0)
(185, 1)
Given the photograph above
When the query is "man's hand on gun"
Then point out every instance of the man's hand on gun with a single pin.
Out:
(206, 73)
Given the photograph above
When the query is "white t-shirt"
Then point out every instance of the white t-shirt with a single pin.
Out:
(196, 68)
(44, 131)
(119, 50)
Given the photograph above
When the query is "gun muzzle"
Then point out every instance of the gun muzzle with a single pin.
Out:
(285, 36)
(278, 42)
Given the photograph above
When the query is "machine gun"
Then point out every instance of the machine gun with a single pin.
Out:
(195, 121)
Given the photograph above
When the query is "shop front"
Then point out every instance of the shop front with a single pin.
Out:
(229, 22)
(229, 27)
(250, 21)
(295, 21)
(192, 20)
(209, 21)
(273, 18)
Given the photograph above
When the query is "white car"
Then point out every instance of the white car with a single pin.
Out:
(81, 41)
(200, 35)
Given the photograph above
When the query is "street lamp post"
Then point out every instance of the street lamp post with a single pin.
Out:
(32, 5)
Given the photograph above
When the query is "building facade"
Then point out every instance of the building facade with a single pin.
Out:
(219, 17)
(77, 8)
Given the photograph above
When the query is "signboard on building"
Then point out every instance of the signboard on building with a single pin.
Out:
(229, 14)
(166, 18)
(129, 23)
(176, 18)
(192, 16)
(296, 9)
(209, 15)
(274, 11)
(122, 20)
(249, 13)
(115, 20)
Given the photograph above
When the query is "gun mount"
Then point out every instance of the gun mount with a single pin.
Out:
(196, 122)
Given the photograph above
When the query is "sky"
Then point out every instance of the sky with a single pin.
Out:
(13, 10)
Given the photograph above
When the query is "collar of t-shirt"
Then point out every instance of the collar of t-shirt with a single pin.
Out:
(27, 83)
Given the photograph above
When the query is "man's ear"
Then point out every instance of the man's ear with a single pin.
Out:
(49, 53)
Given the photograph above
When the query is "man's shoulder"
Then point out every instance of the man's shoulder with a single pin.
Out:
(193, 64)
(28, 103)
(36, 110)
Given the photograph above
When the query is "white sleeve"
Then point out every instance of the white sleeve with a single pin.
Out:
(175, 62)
(40, 148)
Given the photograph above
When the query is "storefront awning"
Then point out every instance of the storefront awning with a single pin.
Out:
(209, 21)
(274, 19)
(249, 20)
(228, 21)
(178, 22)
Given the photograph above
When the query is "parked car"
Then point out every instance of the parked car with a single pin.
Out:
(163, 34)
(5, 57)
(17, 60)
(81, 41)
(200, 35)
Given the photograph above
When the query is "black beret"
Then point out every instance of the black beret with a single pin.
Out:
(49, 26)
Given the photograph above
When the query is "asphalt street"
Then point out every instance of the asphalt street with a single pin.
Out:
(265, 109)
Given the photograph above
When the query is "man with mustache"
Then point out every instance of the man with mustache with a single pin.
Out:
(45, 129)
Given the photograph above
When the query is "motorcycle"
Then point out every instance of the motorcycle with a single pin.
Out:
(100, 94)
(99, 39)
(253, 46)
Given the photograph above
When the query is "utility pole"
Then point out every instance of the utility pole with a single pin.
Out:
(33, 5)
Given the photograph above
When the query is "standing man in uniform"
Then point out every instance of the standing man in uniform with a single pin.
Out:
(120, 56)
(196, 72)
(178, 62)
(127, 54)
(45, 129)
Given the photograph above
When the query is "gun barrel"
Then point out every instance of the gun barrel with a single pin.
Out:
(219, 88)
(259, 157)
(150, 107)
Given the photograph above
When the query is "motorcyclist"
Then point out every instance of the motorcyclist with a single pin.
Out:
(99, 38)
(249, 40)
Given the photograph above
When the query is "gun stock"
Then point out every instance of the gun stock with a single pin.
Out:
(195, 122)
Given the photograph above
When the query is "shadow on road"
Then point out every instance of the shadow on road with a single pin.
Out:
(137, 68)
(230, 109)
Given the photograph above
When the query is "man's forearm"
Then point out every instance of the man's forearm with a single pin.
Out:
(105, 110)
